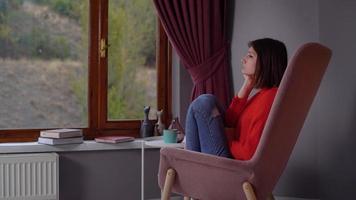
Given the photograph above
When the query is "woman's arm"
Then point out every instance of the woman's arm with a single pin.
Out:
(244, 149)
(239, 102)
(250, 134)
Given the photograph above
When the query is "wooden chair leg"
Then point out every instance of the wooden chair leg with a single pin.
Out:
(248, 189)
(171, 173)
(270, 197)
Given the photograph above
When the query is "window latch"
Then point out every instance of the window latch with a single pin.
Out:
(103, 47)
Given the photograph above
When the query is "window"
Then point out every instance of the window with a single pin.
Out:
(84, 64)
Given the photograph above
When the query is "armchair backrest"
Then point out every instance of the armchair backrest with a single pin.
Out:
(289, 110)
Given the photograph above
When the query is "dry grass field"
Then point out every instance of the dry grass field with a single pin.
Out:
(38, 94)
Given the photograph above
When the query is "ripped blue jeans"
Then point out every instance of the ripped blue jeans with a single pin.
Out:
(204, 127)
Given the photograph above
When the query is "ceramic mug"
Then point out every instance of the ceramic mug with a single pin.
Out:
(170, 136)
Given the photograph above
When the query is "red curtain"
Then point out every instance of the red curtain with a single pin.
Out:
(196, 29)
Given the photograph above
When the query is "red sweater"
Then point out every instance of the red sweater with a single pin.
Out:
(249, 118)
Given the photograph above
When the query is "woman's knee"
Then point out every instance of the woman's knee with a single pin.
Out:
(205, 102)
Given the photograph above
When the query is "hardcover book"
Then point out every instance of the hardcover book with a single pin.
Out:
(61, 133)
(114, 139)
(57, 141)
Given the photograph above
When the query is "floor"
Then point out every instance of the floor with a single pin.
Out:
(292, 198)
(276, 198)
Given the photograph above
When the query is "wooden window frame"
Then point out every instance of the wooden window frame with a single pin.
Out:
(98, 124)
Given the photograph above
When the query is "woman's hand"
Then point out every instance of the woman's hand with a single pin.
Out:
(247, 86)
(249, 80)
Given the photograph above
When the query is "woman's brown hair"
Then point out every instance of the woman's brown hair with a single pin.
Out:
(272, 60)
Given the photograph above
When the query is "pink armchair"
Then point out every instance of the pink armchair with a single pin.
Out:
(207, 177)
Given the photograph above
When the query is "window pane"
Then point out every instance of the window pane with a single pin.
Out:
(43, 63)
(132, 70)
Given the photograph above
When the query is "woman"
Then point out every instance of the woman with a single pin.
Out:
(262, 68)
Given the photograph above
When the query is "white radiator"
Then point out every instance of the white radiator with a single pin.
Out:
(29, 176)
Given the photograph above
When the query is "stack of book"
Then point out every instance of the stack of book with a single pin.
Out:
(61, 136)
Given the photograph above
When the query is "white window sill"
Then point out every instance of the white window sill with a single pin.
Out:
(87, 145)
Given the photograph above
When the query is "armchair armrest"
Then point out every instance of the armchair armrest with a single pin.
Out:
(206, 159)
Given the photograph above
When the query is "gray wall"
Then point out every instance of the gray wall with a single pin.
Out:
(182, 86)
(109, 175)
(336, 117)
(322, 163)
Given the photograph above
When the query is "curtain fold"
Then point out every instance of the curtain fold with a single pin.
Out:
(196, 30)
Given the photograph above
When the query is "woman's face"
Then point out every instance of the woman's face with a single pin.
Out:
(249, 62)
